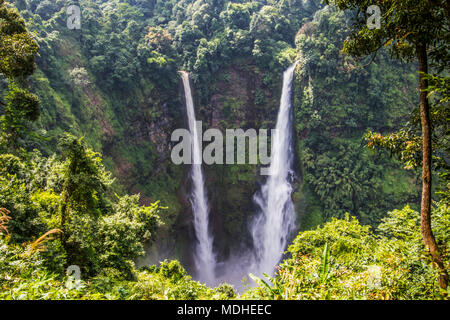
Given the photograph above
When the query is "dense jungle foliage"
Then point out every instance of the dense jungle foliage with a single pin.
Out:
(86, 177)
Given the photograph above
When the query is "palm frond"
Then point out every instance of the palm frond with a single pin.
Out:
(325, 263)
(38, 244)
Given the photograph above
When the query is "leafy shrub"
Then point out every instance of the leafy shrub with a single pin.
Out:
(344, 260)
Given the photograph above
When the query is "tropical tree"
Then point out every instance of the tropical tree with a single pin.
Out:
(17, 54)
(84, 182)
(410, 29)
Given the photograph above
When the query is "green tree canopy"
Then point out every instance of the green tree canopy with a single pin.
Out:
(17, 53)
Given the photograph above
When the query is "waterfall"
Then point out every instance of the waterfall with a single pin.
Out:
(204, 256)
(276, 218)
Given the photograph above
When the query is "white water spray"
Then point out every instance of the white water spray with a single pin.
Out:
(276, 219)
(204, 257)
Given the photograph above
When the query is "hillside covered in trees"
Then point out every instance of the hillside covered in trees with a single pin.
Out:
(87, 180)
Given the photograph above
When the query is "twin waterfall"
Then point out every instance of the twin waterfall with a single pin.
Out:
(276, 217)
(205, 261)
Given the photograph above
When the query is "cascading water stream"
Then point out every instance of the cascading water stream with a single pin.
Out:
(276, 220)
(204, 256)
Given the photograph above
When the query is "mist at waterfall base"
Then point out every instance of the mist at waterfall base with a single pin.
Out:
(275, 219)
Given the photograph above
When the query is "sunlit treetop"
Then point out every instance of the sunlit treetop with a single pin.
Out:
(17, 47)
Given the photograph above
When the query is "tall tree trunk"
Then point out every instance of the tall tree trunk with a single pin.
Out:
(425, 210)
